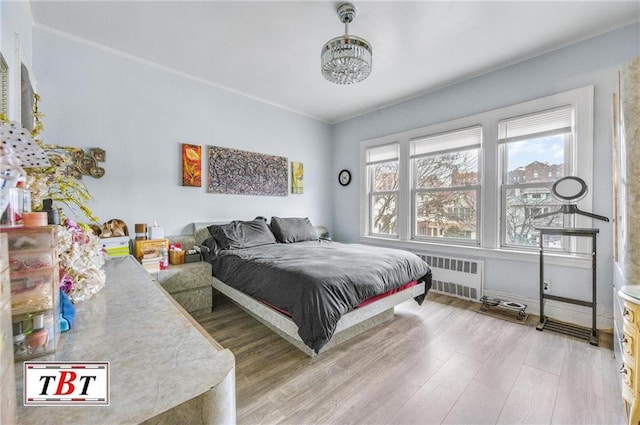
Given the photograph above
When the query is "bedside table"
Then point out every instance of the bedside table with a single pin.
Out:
(630, 347)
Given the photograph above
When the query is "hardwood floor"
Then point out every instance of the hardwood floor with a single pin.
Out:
(439, 363)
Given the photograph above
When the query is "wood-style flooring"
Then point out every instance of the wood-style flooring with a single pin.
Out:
(439, 363)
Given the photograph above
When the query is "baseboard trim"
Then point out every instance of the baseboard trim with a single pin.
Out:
(564, 312)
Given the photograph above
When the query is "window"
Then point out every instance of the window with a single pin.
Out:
(534, 150)
(480, 182)
(445, 185)
(383, 185)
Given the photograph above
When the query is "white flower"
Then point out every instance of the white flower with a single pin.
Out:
(81, 261)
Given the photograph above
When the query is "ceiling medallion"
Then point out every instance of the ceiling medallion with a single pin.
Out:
(346, 59)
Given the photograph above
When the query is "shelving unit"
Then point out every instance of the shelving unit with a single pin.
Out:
(7, 377)
(545, 322)
(35, 296)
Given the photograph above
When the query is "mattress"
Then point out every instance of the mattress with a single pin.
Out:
(317, 281)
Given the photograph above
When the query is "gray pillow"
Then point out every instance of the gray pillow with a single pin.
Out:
(242, 234)
(293, 229)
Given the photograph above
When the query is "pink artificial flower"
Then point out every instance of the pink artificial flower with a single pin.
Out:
(80, 238)
(66, 283)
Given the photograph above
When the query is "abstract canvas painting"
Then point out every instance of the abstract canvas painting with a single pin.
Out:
(191, 165)
(297, 177)
(234, 171)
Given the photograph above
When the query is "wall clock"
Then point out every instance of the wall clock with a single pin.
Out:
(344, 177)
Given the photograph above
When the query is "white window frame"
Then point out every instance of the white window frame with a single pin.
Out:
(371, 193)
(490, 205)
(477, 188)
(569, 152)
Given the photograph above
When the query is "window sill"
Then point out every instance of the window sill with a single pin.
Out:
(532, 256)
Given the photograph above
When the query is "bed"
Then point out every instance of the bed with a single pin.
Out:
(315, 293)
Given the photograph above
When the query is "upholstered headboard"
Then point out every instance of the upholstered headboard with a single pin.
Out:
(201, 231)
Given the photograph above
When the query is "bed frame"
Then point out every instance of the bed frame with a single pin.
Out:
(351, 324)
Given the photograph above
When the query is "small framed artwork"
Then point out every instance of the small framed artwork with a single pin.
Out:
(191, 165)
(297, 178)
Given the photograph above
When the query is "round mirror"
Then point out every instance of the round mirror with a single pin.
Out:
(569, 188)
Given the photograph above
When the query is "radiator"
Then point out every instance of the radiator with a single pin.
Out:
(459, 277)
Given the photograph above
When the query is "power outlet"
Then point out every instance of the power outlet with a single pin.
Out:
(546, 285)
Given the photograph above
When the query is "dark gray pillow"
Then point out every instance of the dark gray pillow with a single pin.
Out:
(242, 234)
(293, 229)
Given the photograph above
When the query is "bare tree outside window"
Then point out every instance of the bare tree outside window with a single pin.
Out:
(385, 214)
(480, 180)
(382, 166)
(522, 208)
(446, 194)
(384, 198)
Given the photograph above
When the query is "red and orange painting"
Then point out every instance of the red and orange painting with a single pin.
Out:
(191, 165)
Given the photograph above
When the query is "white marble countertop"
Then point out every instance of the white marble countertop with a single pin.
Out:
(159, 357)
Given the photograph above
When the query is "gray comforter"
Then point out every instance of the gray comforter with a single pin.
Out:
(317, 282)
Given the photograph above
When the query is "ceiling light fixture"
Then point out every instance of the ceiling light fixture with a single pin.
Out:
(346, 59)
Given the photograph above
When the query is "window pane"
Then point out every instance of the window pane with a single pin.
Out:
(522, 206)
(447, 170)
(446, 214)
(384, 176)
(535, 160)
(384, 217)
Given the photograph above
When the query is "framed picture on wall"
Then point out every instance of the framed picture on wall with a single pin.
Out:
(234, 171)
(4, 86)
(23, 88)
(191, 165)
(297, 178)
(27, 98)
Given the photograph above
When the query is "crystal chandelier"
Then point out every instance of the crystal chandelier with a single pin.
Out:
(346, 59)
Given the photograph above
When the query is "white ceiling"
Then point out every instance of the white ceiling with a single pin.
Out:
(271, 50)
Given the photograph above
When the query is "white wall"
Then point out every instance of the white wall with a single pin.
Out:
(594, 62)
(15, 18)
(16, 21)
(140, 114)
